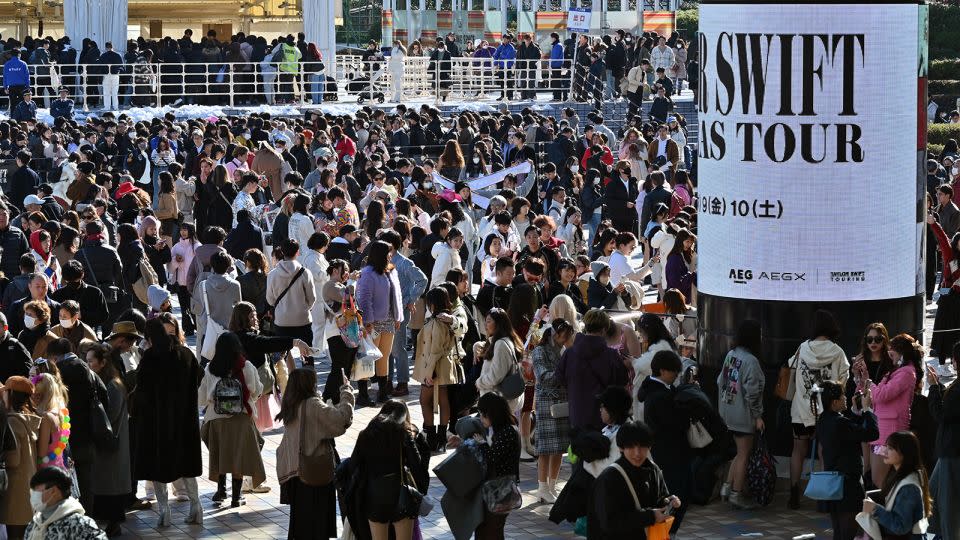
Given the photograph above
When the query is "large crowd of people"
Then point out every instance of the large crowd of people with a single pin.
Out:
(252, 70)
(542, 304)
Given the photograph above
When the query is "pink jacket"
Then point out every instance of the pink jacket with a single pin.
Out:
(892, 398)
(178, 269)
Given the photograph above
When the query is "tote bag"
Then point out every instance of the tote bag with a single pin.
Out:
(213, 329)
(657, 531)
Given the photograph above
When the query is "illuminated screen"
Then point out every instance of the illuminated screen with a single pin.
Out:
(808, 170)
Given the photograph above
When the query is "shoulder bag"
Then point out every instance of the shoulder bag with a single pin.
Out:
(269, 327)
(208, 347)
(110, 293)
(314, 468)
(823, 485)
(501, 495)
(657, 531)
(786, 379)
(513, 385)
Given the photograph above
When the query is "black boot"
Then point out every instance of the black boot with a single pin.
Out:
(794, 502)
(431, 433)
(383, 392)
(236, 496)
(363, 394)
(221, 493)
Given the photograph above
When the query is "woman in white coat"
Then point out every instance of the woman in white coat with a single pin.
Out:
(398, 56)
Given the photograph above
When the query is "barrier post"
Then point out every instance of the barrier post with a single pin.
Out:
(230, 87)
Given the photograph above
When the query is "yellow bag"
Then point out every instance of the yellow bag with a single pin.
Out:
(657, 531)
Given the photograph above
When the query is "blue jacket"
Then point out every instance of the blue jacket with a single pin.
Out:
(556, 56)
(25, 111)
(504, 56)
(15, 73)
(907, 510)
(413, 282)
(62, 107)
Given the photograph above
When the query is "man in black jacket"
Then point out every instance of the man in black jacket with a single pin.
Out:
(342, 246)
(528, 57)
(24, 180)
(620, 199)
(669, 423)
(246, 235)
(562, 148)
(83, 387)
(95, 310)
(497, 294)
(659, 195)
(14, 357)
(13, 244)
(102, 269)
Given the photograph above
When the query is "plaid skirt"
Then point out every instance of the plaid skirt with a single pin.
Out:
(553, 434)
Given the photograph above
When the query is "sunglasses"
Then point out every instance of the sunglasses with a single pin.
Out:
(874, 339)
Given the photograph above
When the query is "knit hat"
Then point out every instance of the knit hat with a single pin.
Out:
(597, 267)
(156, 296)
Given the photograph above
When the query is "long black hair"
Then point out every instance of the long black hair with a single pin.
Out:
(653, 327)
(497, 410)
(301, 386)
(378, 257)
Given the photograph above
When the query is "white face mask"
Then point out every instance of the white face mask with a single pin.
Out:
(476, 160)
(66, 323)
(36, 501)
(29, 322)
(575, 169)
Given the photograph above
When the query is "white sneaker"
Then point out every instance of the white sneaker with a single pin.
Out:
(544, 494)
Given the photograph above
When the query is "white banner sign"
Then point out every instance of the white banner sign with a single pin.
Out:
(809, 151)
(484, 182)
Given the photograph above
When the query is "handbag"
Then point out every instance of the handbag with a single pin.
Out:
(349, 323)
(787, 379)
(213, 329)
(657, 531)
(364, 365)
(823, 485)
(698, 436)
(560, 410)
(268, 325)
(513, 385)
(501, 495)
(316, 468)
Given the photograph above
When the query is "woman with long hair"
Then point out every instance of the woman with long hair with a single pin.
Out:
(182, 258)
(451, 162)
(553, 432)
(313, 510)
(391, 444)
(741, 383)
(680, 268)
(166, 427)
(437, 364)
(654, 334)
(50, 402)
(520, 211)
(840, 432)
(682, 317)
(111, 468)
(893, 396)
(228, 425)
(167, 208)
(22, 458)
(161, 158)
(501, 353)
(220, 194)
(905, 492)
(378, 298)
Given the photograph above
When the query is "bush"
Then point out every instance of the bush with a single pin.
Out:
(944, 32)
(943, 87)
(941, 133)
(944, 69)
(688, 21)
(934, 149)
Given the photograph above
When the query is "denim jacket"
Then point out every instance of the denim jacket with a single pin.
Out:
(413, 282)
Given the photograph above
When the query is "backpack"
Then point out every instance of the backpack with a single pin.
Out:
(228, 396)
(148, 277)
(278, 55)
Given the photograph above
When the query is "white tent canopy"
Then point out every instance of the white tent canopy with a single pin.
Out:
(99, 20)
(318, 27)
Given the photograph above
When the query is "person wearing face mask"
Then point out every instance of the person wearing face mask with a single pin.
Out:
(620, 197)
(74, 288)
(37, 288)
(78, 333)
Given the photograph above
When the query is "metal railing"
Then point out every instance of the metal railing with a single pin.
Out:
(232, 84)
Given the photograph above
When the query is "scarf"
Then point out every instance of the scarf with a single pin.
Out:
(38, 247)
(67, 507)
(95, 237)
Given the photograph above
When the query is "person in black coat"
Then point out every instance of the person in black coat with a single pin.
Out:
(220, 196)
(670, 425)
(23, 181)
(944, 405)
(102, 268)
(37, 291)
(83, 386)
(562, 148)
(840, 433)
(620, 199)
(14, 357)
(613, 511)
(13, 244)
(95, 311)
(247, 235)
(658, 195)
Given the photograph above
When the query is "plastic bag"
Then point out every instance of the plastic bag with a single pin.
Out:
(364, 366)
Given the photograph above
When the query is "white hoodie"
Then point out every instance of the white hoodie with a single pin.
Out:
(815, 361)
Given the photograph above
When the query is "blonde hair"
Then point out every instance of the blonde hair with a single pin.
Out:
(50, 394)
(562, 308)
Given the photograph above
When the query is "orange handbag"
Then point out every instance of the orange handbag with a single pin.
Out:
(657, 531)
